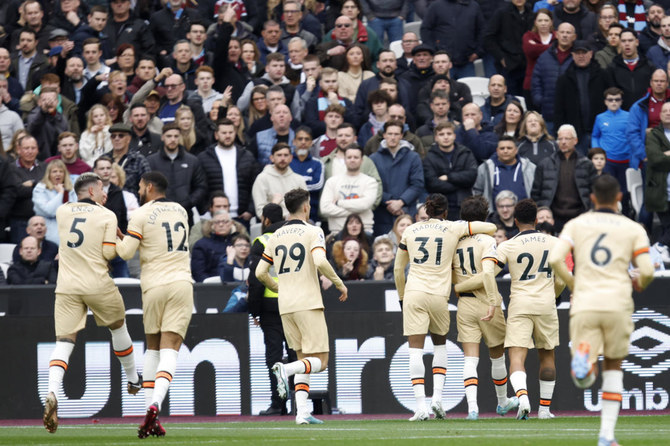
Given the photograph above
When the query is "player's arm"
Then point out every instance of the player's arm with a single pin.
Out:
(645, 267)
(263, 273)
(480, 227)
(401, 261)
(109, 240)
(472, 283)
(491, 266)
(557, 261)
(325, 268)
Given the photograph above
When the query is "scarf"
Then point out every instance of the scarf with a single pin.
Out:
(638, 22)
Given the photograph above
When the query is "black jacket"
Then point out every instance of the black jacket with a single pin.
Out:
(547, 176)
(166, 30)
(416, 79)
(461, 172)
(225, 72)
(568, 110)
(257, 304)
(503, 35)
(38, 273)
(147, 144)
(247, 170)
(117, 204)
(23, 204)
(187, 182)
(459, 95)
(133, 31)
(8, 186)
(633, 83)
(585, 21)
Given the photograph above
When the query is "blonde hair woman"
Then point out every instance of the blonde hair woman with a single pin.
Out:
(96, 140)
(54, 190)
(235, 114)
(189, 138)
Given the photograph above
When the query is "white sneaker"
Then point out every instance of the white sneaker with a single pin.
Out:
(545, 415)
(512, 403)
(524, 410)
(663, 250)
(437, 409)
(282, 379)
(419, 415)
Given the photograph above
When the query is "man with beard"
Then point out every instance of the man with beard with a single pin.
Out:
(650, 34)
(142, 139)
(310, 168)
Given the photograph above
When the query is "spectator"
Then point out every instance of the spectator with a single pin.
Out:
(125, 27)
(462, 38)
(14, 88)
(476, 134)
(659, 54)
(332, 53)
(361, 33)
(116, 202)
(505, 170)
(315, 108)
(402, 177)
(258, 106)
(252, 58)
(573, 12)
(503, 216)
(439, 106)
(37, 228)
(235, 115)
(204, 79)
(207, 252)
(133, 163)
(379, 102)
(356, 69)
(176, 96)
(45, 122)
(228, 68)
(118, 178)
(170, 24)
(95, 139)
(353, 228)
(535, 142)
(92, 54)
(68, 152)
(95, 23)
(30, 64)
(598, 158)
(275, 70)
(353, 193)
(142, 139)
(30, 270)
(276, 179)
(421, 214)
(349, 260)
(381, 265)
(196, 36)
(656, 185)
(326, 143)
(650, 34)
(292, 26)
(190, 137)
(281, 131)
(510, 124)
(234, 265)
(401, 223)
(630, 71)
(270, 41)
(54, 190)
(309, 168)
(606, 17)
(69, 109)
(187, 182)
(408, 42)
(419, 73)
(144, 71)
(459, 93)
(27, 171)
(535, 42)
(605, 56)
(33, 15)
(10, 121)
(579, 94)
(449, 168)
(397, 113)
(563, 181)
(495, 105)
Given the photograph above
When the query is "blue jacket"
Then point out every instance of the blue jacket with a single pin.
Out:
(206, 254)
(487, 115)
(312, 171)
(609, 133)
(361, 109)
(659, 55)
(263, 49)
(264, 142)
(543, 84)
(482, 143)
(402, 178)
(45, 204)
(636, 130)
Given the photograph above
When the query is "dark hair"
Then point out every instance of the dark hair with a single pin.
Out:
(376, 96)
(365, 63)
(606, 188)
(628, 30)
(224, 121)
(304, 129)
(98, 8)
(196, 22)
(393, 123)
(157, 179)
(501, 128)
(525, 211)
(275, 57)
(280, 146)
(354, 146)
(240, 236)
(596, 151)
(362, 238)
(29, 30)
(506, 137)
(92, 41)
(436, 205)
(346, 125)
(617, 25)
(85, 180)
(275, 89)
(295, 198)
(612, 91)
(147, 57)
(125, 46)
(102, 158)
(170, 126)
(475, 208)
(216, 194)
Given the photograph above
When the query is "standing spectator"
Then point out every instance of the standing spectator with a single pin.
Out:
(204, 79)
(275, 70)
(176, 96)
(142, 138)
(605, 56)
(630, 71)
(573, 12)
(549, 66)
(125, 27)
(606, 17)
(439, 105)
(181, 62)
(228, 68)
(598, 158)
(311, 169)
(650, 34)
(68, 152)
(54, 190)
(27, 171)
(408, 42)
(207, 252)
(218, 201)
(397, 113)
(187, 183)
(459, 93)
(281, 131)
(449, 168)
(579, 94)
(462, 38)
(495, 105)
(327, 95)
(535, 42)
(45, 122)
(356, 69)
(33, 15)
(326, 143)
(379, 102)
(170, 24)
(234, 264)
(535, 142)
(292, 25)
(402, 177)
(332, 53)
(190, 136)
(95, 139)
(386, 17)
(134, 164)
(659, 54)
(270, 41)
(252, 58)
(30, 270)
(10, 121)
(419, 73)
(505, 170)
(511, 121)
(37, 227)
(14, 89)
(30, 64)
(95, 23)
(475, 134)
(362, 33)
(656, 196)
(563, 181)
(503, 40)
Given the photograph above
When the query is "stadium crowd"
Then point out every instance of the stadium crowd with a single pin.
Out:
(240, 101)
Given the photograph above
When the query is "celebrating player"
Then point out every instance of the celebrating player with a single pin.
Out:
(87, 233)
(296, 251)
(430, 246)
(604, 243)
(479, 313)
(532, 311)
(160, 229)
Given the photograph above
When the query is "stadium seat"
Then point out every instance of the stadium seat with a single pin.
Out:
(4, 267)
(213, 279)
(412, 27)
(126, 281)
(479, 87)
(522, 101)
(396, 47)
(6, 251)
(255, 230)
(635, 187)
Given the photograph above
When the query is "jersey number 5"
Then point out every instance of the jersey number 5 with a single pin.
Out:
(168, 234)
(422, 249)
(80, 235)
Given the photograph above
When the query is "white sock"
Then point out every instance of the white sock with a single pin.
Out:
(307, 366)
(612, 389)
(546, 393)
(439, 370)
(499, 377)
(302, 394)
(518, 380)
(471, 381)
(166, 368)
(417, 373)
(151, 359)
(58, 365)
(123, 349)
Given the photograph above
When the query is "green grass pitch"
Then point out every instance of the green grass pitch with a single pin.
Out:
(631, 430)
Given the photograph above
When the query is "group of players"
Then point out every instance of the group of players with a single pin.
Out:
(603, 243)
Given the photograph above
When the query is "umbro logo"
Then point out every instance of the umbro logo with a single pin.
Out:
(649, 352)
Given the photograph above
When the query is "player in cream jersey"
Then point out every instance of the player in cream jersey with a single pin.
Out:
(479, 311)
(532, 314)
(429, 246)
(87, 233)
(159, 228)
(298, 252)
(603, 243)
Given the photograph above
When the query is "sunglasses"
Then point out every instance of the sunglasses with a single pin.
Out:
(118, 135)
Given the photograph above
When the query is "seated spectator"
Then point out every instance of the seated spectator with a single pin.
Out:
(598, 158)
(30, 270)
(207, 252)
(349, 260)
(500, 235)
(68, 152)
(535, 142)
(95, 139)
(399, 225)
(234, 265)
(353, 228)
(510, 124)
(503, 216)
(54, 190)
(37, 228)
(379, 102)
(381, 265)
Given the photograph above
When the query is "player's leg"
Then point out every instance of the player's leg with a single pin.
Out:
(547, 382)
(58, 363)
(586, 336)
(151, 358)
(439, 373)
(471, 378)
(499, 377)
(123, 349)
(301, 382)
(417, 373)
(273, 335)
(611, 402)
(517, 361)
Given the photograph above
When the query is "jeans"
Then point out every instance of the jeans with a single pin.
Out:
(393, 27)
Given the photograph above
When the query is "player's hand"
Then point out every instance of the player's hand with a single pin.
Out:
(119, 234)
(636, 284)
(490, 313)
(344, 293)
